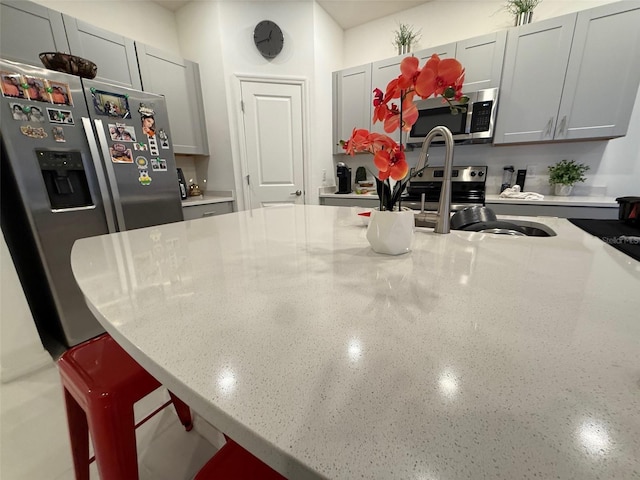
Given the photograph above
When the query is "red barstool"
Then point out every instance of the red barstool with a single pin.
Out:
(232, 462)
(101, 383)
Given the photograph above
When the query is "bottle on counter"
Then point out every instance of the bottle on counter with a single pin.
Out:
(507, 177)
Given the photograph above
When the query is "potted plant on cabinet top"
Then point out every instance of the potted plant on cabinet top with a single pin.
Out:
(565, 174)
(522, 9)
(404, 37)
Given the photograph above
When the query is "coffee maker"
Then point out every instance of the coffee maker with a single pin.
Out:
(344, 178)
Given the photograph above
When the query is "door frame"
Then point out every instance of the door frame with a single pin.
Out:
(241, 168)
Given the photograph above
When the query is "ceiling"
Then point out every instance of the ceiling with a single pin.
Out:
(346, 13)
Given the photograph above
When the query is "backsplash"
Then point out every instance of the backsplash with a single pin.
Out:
(189, 169)
(606, 177)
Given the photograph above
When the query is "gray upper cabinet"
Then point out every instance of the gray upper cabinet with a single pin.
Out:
(28, 29)
(572, 77)
(482, 58)
(114, 54)
(179, 81)
(603, 73)
(383, 71)
(534, 69)
(352, 102)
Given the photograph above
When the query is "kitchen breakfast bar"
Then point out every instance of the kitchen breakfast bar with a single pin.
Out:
(473, 356)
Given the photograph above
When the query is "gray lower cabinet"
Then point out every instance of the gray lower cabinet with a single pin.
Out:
(28, 29)
(114, 54)
(179, 81)
(574, 211)
(193, 212)
(368, 202)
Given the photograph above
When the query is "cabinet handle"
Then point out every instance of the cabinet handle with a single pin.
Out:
(209, 214)
(547, 130)
(560, 129)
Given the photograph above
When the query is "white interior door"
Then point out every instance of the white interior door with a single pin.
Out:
(273, 134)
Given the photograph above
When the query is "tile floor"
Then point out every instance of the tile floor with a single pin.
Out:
(34, 441)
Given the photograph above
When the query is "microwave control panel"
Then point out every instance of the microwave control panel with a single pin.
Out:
(481, 116)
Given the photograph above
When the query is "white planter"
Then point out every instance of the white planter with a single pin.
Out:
(391, 233)
(563, 190)
(523, 18)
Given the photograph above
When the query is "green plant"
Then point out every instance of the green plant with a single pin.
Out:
(567, 172)
(405, 35)
(517, 7)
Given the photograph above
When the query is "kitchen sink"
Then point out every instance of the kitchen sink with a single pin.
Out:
(526, 227)
(534, 229)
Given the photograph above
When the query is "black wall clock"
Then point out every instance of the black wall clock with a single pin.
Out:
(268, 38)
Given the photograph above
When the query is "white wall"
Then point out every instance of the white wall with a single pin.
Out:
(21, 351)
(615, 164)
(328, 43)
(140, 20)
(219, 36)
(443, 21)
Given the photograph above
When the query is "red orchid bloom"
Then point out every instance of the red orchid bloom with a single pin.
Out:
(389, 157)
(410, 70)
(409, 115)
(357, 142)
(437, 75)
(391, 163)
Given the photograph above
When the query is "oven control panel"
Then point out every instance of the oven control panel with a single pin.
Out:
(458, 174)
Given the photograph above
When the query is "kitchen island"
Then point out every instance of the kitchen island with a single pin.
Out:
(473, 356)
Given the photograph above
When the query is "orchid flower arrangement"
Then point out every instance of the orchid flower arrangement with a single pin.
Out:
(437, 78)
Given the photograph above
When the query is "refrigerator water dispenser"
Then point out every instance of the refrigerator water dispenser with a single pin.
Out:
(65, 179)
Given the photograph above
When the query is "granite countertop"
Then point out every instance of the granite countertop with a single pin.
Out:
(213, 197)
(473, 356)
(568, 201)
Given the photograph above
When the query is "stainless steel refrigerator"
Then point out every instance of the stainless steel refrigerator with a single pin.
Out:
(79, 158)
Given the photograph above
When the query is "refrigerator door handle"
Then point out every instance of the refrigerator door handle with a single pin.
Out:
(111, 174)
(102, 181)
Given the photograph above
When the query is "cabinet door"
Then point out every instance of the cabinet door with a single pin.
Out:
(603, 73)
(28, 29)
(352, 102)
(482, 58)
(534, 69)
(179, 81)
(207, 210)
(114, 54)
(384, 71)
(444, 51)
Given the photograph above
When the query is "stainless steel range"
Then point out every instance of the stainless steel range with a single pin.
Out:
(467, 188)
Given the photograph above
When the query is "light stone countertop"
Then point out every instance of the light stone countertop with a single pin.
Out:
(568, 201)
(208, 198)
(474, 356)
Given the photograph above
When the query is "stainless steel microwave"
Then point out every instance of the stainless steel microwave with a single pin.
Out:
(474, 126)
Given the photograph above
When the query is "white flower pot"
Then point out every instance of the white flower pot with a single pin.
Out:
(391, 233)
(523, 18)
(563, 190)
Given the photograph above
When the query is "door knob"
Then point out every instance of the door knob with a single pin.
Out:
(297, 193)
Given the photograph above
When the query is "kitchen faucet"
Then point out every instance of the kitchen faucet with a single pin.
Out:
(444, 205)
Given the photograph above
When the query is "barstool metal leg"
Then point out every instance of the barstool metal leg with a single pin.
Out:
(183, 411)
(112, 427)
(78, 435)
